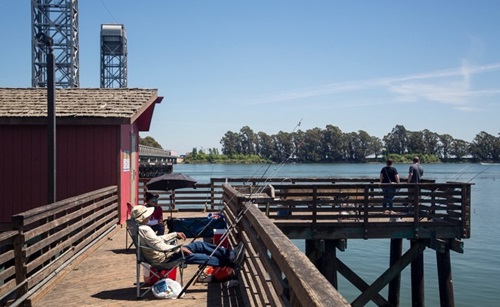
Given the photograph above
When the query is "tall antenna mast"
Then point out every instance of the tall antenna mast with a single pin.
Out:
(57, 19)
(113, 56)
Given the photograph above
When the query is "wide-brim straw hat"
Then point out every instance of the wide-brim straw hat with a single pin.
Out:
(140, 213)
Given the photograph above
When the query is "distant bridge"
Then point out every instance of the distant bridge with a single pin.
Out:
(155, 156)
(155, 162)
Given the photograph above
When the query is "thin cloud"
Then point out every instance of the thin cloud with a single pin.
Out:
(447, 92)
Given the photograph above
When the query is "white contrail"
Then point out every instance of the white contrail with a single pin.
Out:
(465, 71)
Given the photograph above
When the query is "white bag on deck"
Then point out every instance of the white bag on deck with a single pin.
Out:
(166, 288)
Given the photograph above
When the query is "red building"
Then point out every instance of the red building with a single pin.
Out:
(97, 135)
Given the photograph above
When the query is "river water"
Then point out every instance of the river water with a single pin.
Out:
(476, 272)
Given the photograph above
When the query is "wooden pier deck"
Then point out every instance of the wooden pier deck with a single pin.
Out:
(55, 244)
(107, 278)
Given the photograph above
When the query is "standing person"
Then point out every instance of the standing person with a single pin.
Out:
(389, 174)
(414, 176)
(156, 220)
(416, 171)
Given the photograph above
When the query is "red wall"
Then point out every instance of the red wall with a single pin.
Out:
(87, 159)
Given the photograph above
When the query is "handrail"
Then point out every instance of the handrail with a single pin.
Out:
(322, 199)
(446, 205)
(44, 239)
(303, 284)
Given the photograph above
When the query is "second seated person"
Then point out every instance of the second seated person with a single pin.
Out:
(156, 220)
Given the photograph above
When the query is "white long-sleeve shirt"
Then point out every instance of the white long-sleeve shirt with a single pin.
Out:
(159, 251)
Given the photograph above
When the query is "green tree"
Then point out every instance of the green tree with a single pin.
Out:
(248, 141)
(459, 149)
(415, 142)
(377, 146)
(333, 140)
(431, 142)
(364, 143)
(485, 147)
(396, 141)
(446, 141)
(230, 143)
(149, 141)
(265, 146)
(284, 146)
(313, 146)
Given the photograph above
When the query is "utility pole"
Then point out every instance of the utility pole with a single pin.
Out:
(47, 41)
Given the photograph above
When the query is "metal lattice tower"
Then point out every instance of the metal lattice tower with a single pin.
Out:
(113, 56)
(59, 20)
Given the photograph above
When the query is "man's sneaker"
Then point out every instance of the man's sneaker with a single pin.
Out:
(236, 255)
(204, 278)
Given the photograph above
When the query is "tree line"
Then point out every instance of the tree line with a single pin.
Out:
(332, 145)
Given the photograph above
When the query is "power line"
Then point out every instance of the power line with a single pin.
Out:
(109, 12)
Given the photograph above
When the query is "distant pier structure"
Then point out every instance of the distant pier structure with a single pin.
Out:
(57, 19)
(113, 56)
(155, 162)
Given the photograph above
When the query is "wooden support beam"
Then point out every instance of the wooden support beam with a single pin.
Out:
(395, 283)
(446, 296)
(457, 246)
(417, 277)
(359, 283)
(329, 268)
(322, 254)
(439, 245)
(341, 244)
(413, 253)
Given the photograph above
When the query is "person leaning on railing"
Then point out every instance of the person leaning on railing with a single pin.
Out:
(197, 252)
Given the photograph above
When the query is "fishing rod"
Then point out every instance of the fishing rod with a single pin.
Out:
(484, 170)
(219, 244)
(462, 172)
(249, 179)
(233, 225)
(222, 209)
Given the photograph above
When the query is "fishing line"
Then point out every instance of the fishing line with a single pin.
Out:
(223, 207)
(109, 12)
(238, 218)
(484, 170)
(260, 189)
(461, 172)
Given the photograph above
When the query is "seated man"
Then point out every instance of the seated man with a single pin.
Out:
(195, 252)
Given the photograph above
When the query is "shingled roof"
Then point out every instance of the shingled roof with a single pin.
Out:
(123, 104)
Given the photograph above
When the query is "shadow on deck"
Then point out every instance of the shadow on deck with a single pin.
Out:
(107, 277)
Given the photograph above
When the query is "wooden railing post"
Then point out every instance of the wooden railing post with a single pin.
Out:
(20, 255)
(466, 212)
(314, 207)
(212, 194)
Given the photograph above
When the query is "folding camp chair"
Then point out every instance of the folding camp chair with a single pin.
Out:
(133, 230)
(129, 210)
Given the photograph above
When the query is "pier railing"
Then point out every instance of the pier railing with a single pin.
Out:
(275, 271)
(48, 238)
(434, 215)
(209, 195)
(350, 201)
(439, 210)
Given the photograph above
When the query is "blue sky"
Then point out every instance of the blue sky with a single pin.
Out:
(358, 65)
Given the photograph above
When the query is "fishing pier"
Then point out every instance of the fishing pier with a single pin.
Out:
(324, 212)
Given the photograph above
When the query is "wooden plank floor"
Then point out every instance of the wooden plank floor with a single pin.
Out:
(107, 278)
